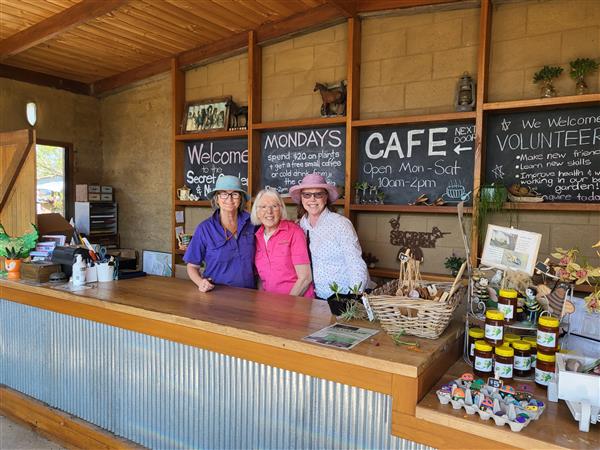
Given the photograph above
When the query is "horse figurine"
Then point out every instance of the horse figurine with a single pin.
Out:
(332, 96)
(238, 117)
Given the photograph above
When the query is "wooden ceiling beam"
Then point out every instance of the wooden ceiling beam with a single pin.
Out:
(59, 23)
(131, 76)
(347, 7)
(365, 6)
(29, 76)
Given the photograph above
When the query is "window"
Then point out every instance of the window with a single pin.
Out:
(51, 175)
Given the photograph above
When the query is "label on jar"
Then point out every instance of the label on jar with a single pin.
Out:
(546, 339)
(522, 362)
(503, 370)
(533, 360)
(542, 377)
(472, 350)
(483, 364)
(507, 310)
(494, 332)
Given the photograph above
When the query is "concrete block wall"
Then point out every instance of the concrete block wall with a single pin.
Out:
(225, 77)
(530, 34)
(410, 64)
(290, 69)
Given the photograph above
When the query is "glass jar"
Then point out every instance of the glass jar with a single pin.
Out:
(532, 340)
(474, 335)
(504, 361)
(510, 338)
(547, 334)
(520, 314)
(544, 370)
(522, 364)
(482, 367)
(494, 327)
(507, 304)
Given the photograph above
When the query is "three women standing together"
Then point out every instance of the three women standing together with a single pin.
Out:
(278, 248)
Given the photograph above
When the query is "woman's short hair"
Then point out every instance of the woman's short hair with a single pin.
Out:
(272, 193)
(215, 205)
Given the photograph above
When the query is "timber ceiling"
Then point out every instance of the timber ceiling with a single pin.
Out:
(91, 46)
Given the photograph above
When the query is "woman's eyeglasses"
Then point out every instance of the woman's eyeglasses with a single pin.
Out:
(317, 195)
(226, 195)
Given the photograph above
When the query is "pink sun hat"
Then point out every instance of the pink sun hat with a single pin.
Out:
(313, 181)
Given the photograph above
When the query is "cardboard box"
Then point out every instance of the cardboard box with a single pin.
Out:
(81, 192)
(106, 197)
(95, 188)
(39, 272)
(106, 189)
(54, 223)
(94, 197)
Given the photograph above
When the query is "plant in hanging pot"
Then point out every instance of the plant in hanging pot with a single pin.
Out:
(13, 249)
(490, 199)
(545, 75)
(579, 69)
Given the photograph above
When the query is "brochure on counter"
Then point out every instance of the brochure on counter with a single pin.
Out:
(341, 336)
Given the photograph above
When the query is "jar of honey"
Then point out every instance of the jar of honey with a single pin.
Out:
(504, 361)
(522, 364)
(507, 304)
(520, 314)
(484, 361)
(494, 327)
(510, 338)
(544, 370)
(532, 340)
(474, 335)
(547, 334)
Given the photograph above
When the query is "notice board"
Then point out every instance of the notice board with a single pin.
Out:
(405, 162)
(205, 161)
(556, 152)
(287, 156)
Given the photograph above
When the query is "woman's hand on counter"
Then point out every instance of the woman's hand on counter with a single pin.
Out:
(204, 285)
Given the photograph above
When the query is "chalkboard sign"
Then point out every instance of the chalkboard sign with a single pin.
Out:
(556, 152)
(408, 161)
(287, 156)
(205, 161)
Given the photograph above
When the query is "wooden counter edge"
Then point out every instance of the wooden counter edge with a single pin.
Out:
(60, 427)
(278, 342)
(478, 431)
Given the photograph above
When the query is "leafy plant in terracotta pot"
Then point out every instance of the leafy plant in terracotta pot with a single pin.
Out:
(13, 249)
(453, 263)
(579, 68)
(545, 75)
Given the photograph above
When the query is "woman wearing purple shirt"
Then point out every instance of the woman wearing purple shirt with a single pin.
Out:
(225, 241)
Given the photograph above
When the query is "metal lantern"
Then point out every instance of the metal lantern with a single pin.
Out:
(465, 93)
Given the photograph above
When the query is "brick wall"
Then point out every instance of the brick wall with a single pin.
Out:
(291, 68)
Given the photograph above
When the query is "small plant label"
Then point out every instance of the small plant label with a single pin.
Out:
(365, 302)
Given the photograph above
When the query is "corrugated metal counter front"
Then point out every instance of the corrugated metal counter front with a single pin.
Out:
(163, 365)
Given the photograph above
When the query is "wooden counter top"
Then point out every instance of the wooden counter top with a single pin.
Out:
(556, 428)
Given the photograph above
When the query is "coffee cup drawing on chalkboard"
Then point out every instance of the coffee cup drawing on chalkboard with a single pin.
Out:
(456, 192)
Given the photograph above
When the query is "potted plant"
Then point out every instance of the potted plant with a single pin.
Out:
(453, 263)
(545, 75)
(359, 191)
(579, 69)
(13, 249)
(490, 199)
(370, 259)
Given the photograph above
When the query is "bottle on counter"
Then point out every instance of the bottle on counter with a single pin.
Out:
(522, 364)
(547, 334)
(504, 361)
(532, 340)
(507, 304)
(494, 327)
(79, 268)
(475, 334)
(544, 370)
(484, 359)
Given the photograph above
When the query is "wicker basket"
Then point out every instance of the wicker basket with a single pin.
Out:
(414, 316)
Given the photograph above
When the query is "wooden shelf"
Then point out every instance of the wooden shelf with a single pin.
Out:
(179, 252)
(427, 118)
(192, 203)
(301, 123)
(543, 206)
(393, 273)
(408, 209)
(210, 135)
(537, 103)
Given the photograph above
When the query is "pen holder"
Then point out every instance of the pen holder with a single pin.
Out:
(105, 272)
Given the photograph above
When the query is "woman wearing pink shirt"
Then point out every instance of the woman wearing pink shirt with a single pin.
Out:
(281, 258)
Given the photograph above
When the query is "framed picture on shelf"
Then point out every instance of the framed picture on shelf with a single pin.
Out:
(509, 248)
(206, 115)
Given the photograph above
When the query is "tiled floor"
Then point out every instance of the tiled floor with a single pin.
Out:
(17, 437)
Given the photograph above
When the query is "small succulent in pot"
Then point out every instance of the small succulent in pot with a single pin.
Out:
(545, 75)
(579, 68)
(453, 263)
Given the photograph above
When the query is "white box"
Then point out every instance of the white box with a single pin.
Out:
(94, 188)
(94, 197)
(106, 189)
(575, 386)
(106, 197)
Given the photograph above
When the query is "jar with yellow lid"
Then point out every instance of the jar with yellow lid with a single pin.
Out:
(484, 359)
(507, 304)
(494, 327)
(520, 317)
(475, 334)
(547, 334)
(503, 361)
(544, 370)
(522, 363)
(532, 340)
(510, 338)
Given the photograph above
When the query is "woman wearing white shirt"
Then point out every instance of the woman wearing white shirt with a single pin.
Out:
(335, 252)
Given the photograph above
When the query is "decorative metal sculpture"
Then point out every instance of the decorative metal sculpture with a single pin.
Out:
(333, 97)
(414, 240)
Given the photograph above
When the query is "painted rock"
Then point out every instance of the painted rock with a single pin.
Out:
(467, 377)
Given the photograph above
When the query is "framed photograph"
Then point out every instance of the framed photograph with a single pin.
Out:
(206, 115)
(509, 248)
